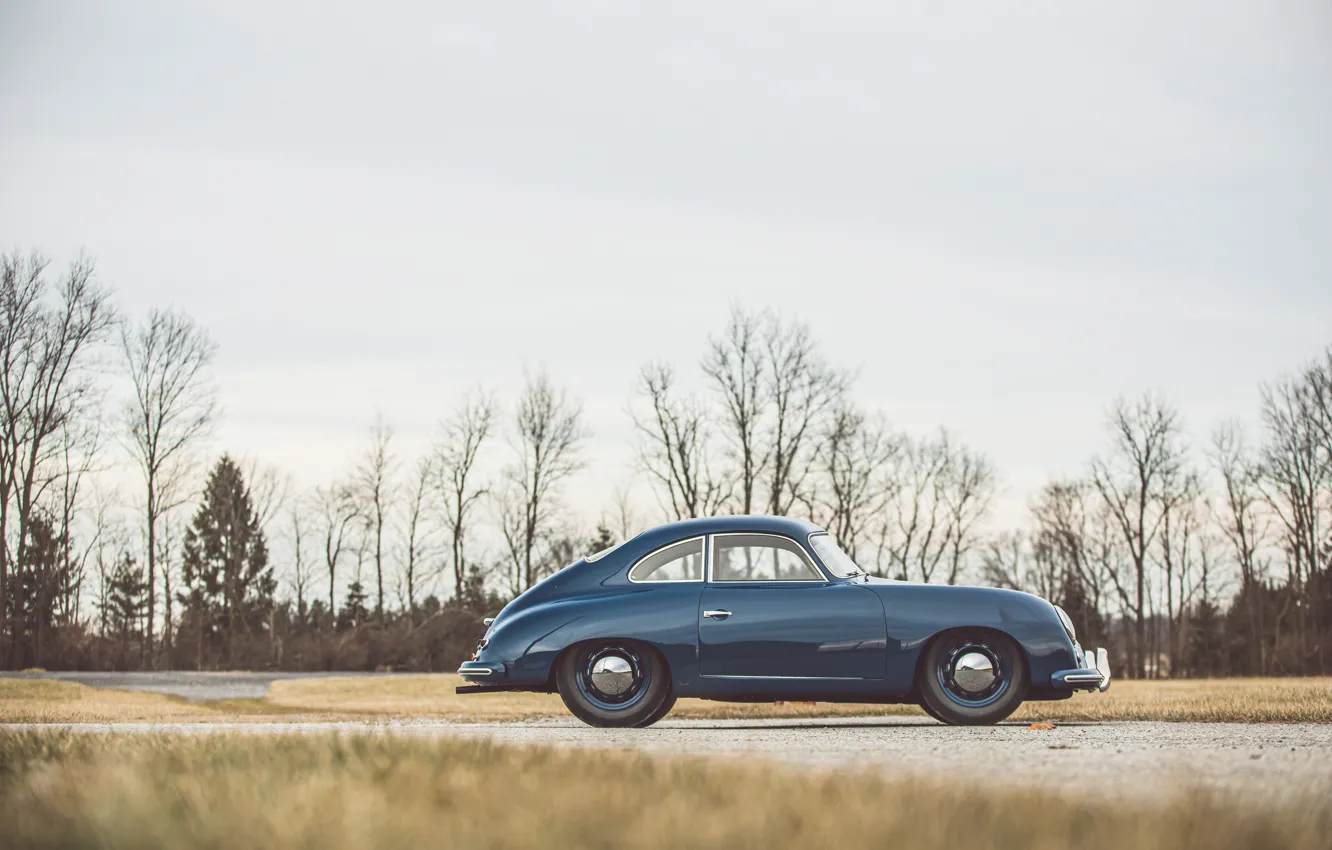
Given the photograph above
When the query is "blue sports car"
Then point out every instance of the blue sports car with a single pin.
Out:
(758, 609)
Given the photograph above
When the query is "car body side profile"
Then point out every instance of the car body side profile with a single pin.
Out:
(760, 608)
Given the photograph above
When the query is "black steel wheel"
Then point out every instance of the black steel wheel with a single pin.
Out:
(614, 683)
(972, 677)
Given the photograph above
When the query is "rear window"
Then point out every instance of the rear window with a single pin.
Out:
(682, 561)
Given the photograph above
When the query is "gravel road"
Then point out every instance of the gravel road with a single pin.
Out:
(1134, 759)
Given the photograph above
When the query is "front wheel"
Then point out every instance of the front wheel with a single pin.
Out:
(614, 683)
(972, 678)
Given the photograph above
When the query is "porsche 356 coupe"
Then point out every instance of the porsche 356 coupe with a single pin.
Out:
(759, 609)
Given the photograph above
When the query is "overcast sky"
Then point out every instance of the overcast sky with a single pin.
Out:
(1003, 215)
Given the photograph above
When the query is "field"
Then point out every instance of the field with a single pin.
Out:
(68, 790)
(432, 696)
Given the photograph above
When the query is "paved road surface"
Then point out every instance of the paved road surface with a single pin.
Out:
(1144, 759)
(195, 687)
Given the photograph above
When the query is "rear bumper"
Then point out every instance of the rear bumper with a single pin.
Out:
(1094, 675)
(482, 672)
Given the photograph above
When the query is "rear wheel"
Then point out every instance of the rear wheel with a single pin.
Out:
(614, 683)
(972, 678)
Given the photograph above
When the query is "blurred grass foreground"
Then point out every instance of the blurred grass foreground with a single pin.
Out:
(60, 789)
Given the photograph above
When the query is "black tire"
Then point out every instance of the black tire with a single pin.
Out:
(662, 710)
(957, 687)
(614, 683)
(925, 706)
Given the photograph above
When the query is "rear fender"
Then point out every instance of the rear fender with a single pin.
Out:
(664, 616)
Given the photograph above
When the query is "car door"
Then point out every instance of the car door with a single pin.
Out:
(768, 612)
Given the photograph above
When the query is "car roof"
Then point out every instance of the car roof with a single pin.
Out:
(797, 528)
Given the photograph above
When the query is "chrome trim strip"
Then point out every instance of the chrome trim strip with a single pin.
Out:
(475, 671)
(712, 559)
(703, 553)
(1081, 678)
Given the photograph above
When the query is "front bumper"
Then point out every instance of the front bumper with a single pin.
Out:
(1094, 675)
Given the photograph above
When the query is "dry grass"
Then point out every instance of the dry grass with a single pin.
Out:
(41, 701)
(46, 701)
(432, 696)
(331, 792)
(1215, 700)
(1198, 701)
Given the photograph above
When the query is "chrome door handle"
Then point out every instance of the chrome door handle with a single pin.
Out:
(719, 614)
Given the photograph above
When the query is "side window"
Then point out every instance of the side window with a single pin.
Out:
(681, 561)
(759, 557)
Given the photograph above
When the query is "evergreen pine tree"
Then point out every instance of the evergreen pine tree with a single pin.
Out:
(126, 600)
(354, 612)
(602, 539)
(229, 584)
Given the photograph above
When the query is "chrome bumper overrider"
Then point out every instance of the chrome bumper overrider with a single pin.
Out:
(1093, 675)
(486, 671)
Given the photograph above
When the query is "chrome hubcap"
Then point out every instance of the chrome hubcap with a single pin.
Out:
(973, 672)
(612, 675)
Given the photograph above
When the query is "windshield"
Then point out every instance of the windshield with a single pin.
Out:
(838, 562)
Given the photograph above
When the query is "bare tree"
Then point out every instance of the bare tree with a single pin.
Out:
(456, 452)
(80, 443)
(548, 433)
(802, 390)
(418, 533)
(856, 455)
(269, 488)
(735, 364)
(45, 385)
(1246, 527)
(912, 538)
(302, 573)
(1076, 536)
(1297, 485)
(1178, 550)
(1144, 453)
(623, 520)
(337, 511)
(674, 447)
(373, 489)
(969, 482)
(173, 406)
(1011, 560)
(941, 490)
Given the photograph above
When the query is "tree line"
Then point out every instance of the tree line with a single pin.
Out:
(125, 547)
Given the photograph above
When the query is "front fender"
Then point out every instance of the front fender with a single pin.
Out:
(917, 613)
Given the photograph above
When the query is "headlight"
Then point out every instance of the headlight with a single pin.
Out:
(1068, 624)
